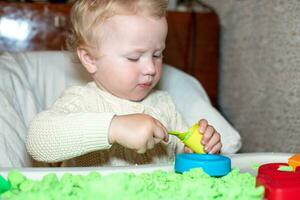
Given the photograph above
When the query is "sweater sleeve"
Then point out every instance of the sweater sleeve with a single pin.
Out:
(68, 129)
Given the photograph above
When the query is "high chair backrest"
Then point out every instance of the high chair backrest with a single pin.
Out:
(32, 81)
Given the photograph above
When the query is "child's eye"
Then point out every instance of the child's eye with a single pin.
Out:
(158, 56)
(133, 59)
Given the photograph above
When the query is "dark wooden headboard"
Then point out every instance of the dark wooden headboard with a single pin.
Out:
(192, 42)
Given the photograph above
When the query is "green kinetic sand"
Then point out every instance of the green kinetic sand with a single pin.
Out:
(285, 168)
(157, 185)
(4, 185)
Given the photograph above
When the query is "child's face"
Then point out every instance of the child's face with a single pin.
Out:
(131, 49)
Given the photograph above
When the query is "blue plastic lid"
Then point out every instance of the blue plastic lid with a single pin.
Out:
(213, 165)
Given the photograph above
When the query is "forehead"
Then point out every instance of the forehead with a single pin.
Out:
(134, 27)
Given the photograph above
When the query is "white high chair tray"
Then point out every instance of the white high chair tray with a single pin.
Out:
(243, 161)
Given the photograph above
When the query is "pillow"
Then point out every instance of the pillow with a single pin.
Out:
(32, 81)
(193, 103)
(15, 98)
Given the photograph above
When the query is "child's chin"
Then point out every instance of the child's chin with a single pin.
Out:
(139, 98)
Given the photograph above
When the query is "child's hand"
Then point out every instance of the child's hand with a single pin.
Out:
(137, 131)
(211, 138)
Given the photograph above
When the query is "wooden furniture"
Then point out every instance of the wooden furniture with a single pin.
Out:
(192, 43)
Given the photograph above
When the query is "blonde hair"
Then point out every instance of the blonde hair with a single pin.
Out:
(86, 15)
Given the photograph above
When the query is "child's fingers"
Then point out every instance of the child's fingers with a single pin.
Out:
(160, 133)
(202, 125)
(187, 150)
(216, 138)
(141, 150)
(150, 144)
(207, 134)
(216, 148)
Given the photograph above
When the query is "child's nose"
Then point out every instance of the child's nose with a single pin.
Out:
(149, 68)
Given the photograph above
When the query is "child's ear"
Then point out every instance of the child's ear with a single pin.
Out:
(87, 60)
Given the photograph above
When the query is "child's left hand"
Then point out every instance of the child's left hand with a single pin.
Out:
(211, 140)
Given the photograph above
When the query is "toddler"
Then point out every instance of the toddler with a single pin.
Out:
(118, 119)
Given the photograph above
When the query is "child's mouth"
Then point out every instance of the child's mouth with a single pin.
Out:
(145, 85)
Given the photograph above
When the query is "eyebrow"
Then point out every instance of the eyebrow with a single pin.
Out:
(141, 50)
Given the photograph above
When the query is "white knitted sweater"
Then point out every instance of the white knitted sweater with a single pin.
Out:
(75, 129)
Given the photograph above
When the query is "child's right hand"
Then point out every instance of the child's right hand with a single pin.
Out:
(137, 131)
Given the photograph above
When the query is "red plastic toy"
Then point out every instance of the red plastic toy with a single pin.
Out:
(279, 185)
